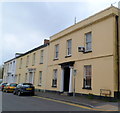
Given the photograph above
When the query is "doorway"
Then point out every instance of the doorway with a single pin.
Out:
(31, 77)
(66, 78)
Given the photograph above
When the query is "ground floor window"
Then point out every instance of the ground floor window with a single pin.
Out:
(87, 76)
(54, 80)
(40, 78)
(19, 78)
(26, 77)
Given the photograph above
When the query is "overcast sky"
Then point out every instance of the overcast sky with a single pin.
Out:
(24, 25)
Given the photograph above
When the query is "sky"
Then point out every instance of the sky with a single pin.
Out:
(25, 25)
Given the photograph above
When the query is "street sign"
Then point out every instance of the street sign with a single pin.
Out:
(74, 72)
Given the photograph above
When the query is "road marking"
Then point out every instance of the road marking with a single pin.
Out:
(72, 104)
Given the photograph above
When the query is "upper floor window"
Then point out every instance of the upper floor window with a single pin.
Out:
(27, 62)
(41, 56)
(54, 80)
(20, 63)
(33, 61)
(13, 67)
(87, 76)
(56, 51)
(88, 41)
(69, 47)
(10, 66)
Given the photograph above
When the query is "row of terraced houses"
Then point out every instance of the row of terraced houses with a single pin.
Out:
(82, 59)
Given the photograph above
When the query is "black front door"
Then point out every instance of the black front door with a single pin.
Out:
(66, 78)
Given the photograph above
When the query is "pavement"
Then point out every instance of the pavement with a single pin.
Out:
(96, 104)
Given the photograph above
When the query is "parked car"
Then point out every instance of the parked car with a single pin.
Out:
(24, 88)
(2, 85)
(10, 87)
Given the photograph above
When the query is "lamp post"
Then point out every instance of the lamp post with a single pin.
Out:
(74, 73)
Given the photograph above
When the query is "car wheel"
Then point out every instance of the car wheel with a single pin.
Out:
(32, 94)
(6, 91)
(14, 92)
(19, 93)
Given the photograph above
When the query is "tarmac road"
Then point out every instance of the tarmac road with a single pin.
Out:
(33, 104)
(12, 102)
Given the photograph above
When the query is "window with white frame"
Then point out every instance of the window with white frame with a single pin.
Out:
(87, 76)
(19, 78)
(20, 66)
(54, 80)
(10, 66)
(13, 67)
(41, 56)
(56, 51)
(27, 62)
(88, 37)
(40, 78)
(69, 47)
(33, 61)
(26, 77)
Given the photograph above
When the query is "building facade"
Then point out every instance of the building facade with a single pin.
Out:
(32, 65)
(82, 59)
(9, 75)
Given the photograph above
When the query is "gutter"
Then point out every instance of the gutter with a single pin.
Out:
(117, 37)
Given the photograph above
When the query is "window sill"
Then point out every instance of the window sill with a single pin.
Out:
(88, 88)
(87, 51)
(68, 56)
(55, 59)
(54, 86)
(40, 85)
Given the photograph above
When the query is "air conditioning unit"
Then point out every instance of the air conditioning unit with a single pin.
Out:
(81, 49)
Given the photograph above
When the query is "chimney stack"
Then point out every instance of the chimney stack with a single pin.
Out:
(46, 41)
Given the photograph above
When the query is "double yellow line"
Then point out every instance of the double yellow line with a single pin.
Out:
(72, 104)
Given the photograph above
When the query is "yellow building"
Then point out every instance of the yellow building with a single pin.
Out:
(82, 59)
(32, 65)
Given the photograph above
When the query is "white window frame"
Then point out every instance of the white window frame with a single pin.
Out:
(27, 62)
(69, 47)
(88, 41)
(21, 60)
(34, 58)
(56, 51)
(26, 77)
(85, 76)
(54, 80)
(40, 78)
(41, 56)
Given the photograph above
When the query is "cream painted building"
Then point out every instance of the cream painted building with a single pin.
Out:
(82, 59)
(32, 66)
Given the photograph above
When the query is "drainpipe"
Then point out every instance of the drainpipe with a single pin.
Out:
(117, 36)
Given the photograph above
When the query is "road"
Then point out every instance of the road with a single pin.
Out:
(15, 103)
(12, 102)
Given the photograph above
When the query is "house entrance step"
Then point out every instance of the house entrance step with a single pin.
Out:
(64, 93)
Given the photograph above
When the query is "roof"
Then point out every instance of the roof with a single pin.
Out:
(39, 47)
(86, 22)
